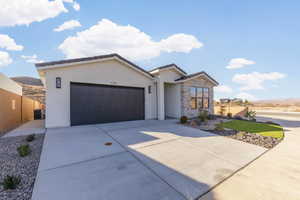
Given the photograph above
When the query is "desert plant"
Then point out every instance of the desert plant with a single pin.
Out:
(203, 116)
(183, 119)
(11, 182)
(250, 115)
(24, 150)
(30, 138)
(229, 115)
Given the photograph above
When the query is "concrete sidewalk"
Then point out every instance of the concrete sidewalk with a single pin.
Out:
(274, 176)
(31, 127)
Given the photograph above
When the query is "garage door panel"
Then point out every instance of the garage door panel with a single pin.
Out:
(91, 104)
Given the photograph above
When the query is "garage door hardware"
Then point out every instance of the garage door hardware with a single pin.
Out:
(108, 144)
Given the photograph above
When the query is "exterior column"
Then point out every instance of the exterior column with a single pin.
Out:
(160, 100)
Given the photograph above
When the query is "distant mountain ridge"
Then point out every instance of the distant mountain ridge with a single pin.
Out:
(28, 80)
(288, 101)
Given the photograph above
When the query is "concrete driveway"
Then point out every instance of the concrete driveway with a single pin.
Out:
(147, 160)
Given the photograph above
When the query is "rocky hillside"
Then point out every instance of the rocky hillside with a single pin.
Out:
(32, 88)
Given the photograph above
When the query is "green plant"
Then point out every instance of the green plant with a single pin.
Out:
(24, 150)
(203, 116)
(11, 182)
(183, 119)
(219, 127)
(229, 115)
(250, 115)
(30, 138)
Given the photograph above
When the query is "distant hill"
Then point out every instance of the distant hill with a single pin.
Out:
(28, 80)
(33, 88)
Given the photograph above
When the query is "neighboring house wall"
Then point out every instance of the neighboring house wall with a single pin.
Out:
(15, 110)
(106, 72)
(185, 96)
(172, 100)
(28, 106)
(10, 111)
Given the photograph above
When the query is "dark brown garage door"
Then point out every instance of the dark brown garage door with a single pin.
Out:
(92, 104)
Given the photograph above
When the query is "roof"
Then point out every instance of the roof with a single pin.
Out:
(167, 66)
(77, 60)
(191, 76)
(28, 80)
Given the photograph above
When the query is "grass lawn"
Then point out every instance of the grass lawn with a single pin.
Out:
(253, 127)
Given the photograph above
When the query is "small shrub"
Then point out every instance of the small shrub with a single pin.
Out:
(250, 115)
(183, 119)
(24, 150)
(11, 182)
(219, 127)
(30, 138)
(203, 116)
(229, 115)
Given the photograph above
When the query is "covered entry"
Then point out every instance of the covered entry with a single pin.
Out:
(93, 103)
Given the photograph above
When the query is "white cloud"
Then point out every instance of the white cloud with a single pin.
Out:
(5, 59)
(180, 43)
(108, 37)
(255, 80)
(32, 59)
(9, 43)
(76, 6)
(68, 25)
(24, 12)
(223, 89)
(236, 63)
(246, 96)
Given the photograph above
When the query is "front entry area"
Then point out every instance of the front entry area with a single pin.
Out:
(93, 103)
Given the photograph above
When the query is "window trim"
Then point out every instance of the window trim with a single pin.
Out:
(203, 97)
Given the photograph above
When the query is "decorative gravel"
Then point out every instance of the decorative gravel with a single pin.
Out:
(24, 167)
(252, 138)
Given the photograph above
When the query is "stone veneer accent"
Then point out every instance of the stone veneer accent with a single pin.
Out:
(185, 96)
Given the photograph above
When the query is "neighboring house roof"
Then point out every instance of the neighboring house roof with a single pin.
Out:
(28, 80)
(196, 75)
(87, 59)
(169, 66)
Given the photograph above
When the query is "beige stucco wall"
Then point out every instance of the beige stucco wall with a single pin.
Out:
(109, 72)
(168, 76)
(172, 100)
(10, 85)
(185, 96)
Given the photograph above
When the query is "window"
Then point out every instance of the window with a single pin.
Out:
(193, 100)
(199, 98)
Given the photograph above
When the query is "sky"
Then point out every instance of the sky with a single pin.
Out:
(250, 47)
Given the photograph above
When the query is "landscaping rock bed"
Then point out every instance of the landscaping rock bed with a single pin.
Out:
(14, 165)
(252, 138)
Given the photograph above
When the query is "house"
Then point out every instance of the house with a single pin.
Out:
(110, 88)
(14, 108)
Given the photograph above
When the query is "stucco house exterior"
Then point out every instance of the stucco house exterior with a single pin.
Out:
(110, 88)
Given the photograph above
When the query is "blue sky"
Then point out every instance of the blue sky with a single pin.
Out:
(250, 47)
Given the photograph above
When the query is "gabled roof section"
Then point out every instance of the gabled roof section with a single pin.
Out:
(196, 75)
(69, 62)
(174, 66)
